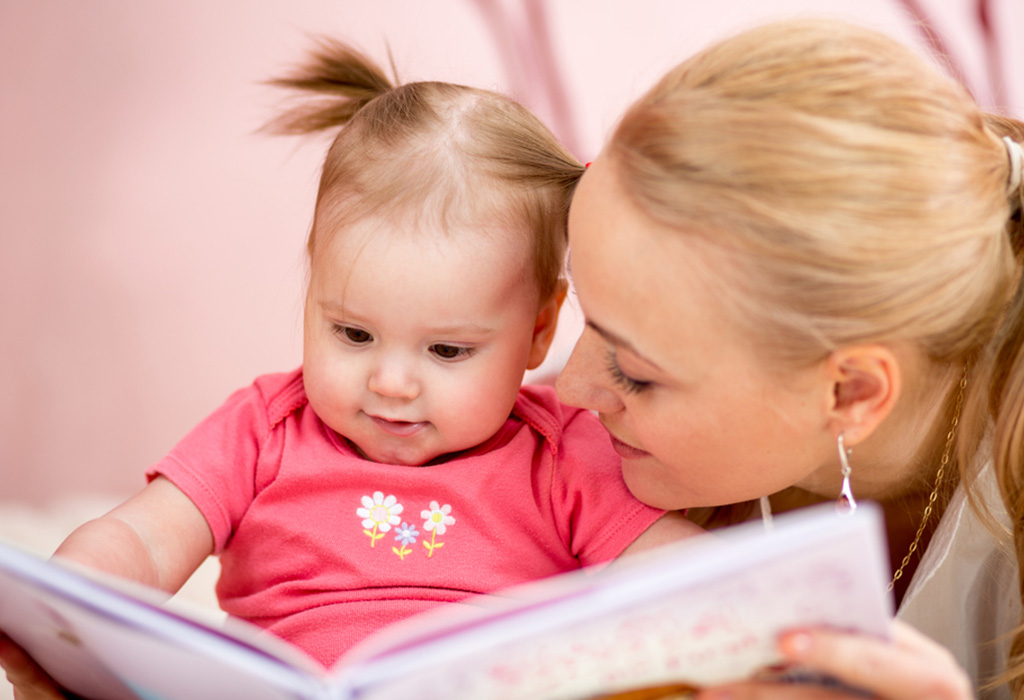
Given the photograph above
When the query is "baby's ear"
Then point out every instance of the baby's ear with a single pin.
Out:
(545, 326)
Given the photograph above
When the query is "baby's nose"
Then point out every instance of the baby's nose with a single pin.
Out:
(394, 378)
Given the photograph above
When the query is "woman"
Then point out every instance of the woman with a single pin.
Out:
(797, 269)
(798, 258)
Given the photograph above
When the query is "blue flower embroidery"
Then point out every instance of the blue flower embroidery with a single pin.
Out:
(406, 534)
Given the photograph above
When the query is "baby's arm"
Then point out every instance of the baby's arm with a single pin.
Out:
(668, 528)
(157, 537)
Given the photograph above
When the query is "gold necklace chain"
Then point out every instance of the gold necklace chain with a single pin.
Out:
(943, 463)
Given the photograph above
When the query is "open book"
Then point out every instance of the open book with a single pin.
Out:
(702, 611)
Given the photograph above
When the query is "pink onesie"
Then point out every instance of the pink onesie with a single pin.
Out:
(323, 547)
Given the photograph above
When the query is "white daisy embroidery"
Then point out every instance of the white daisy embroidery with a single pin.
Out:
(436, 521)
(379, 513)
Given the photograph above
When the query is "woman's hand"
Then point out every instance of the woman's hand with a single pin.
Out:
(30, 682)
(910, 667)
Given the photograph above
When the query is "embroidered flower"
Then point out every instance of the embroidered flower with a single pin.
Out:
(406, 534)
(436, 519)
(379, 513)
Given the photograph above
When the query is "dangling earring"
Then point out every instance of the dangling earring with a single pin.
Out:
(845, 504)
(766, 512)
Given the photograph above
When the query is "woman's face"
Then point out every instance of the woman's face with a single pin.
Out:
(692, 410)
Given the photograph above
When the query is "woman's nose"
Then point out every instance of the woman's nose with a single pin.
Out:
(394, 377)
(584, 381)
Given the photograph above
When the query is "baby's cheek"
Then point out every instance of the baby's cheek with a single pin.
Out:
(473, 416)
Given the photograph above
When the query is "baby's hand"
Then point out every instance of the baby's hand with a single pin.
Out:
(30, 682)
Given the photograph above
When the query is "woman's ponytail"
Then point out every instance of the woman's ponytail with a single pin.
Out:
(1002, 375)
(1011, 132)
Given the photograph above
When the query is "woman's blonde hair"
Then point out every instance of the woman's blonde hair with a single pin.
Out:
(859, 196)
(464, 156)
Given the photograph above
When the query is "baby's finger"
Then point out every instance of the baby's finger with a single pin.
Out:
(29, 681)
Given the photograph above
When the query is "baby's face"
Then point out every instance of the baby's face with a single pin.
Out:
(416, 340)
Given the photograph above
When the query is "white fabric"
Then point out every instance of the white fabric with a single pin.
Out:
(1015, 153)
(964, 593)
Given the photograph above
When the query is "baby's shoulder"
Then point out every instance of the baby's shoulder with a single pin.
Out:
(282, 393)
(539, 407)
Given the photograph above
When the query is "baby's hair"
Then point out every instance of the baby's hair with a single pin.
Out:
(467, 157)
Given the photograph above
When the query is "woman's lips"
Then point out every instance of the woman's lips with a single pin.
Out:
(626, 451)
(400, 428)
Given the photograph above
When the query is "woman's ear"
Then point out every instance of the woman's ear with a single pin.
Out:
(866, 382)
(545, 326)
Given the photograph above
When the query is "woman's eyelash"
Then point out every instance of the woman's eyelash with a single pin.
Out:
(621, 379)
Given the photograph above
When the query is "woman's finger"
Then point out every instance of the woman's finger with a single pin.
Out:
(772, 691)
(903, 635)
(910, 667)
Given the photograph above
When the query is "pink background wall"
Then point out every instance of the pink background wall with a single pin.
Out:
(151, 244)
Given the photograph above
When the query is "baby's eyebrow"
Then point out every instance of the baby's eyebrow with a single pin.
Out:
(331, 306)
(463, 329)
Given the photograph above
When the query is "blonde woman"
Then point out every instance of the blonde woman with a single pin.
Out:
(799, 261)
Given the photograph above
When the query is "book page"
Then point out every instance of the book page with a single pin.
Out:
(698, 612)
(116, 641)
(702, 612)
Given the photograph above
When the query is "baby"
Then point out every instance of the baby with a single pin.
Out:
(403, 465)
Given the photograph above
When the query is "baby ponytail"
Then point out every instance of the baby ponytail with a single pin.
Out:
(453, 156)
(344, 79)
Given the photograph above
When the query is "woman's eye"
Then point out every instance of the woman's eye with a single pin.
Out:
(623, 380)
(450, 352)
(356, 336)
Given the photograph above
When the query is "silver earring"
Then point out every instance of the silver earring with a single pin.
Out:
(766, 513)
(845, 504)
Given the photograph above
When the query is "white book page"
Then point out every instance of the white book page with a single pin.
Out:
(702, 612)
(105, 643)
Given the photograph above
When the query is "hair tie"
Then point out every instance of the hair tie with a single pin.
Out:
(1016, 155)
